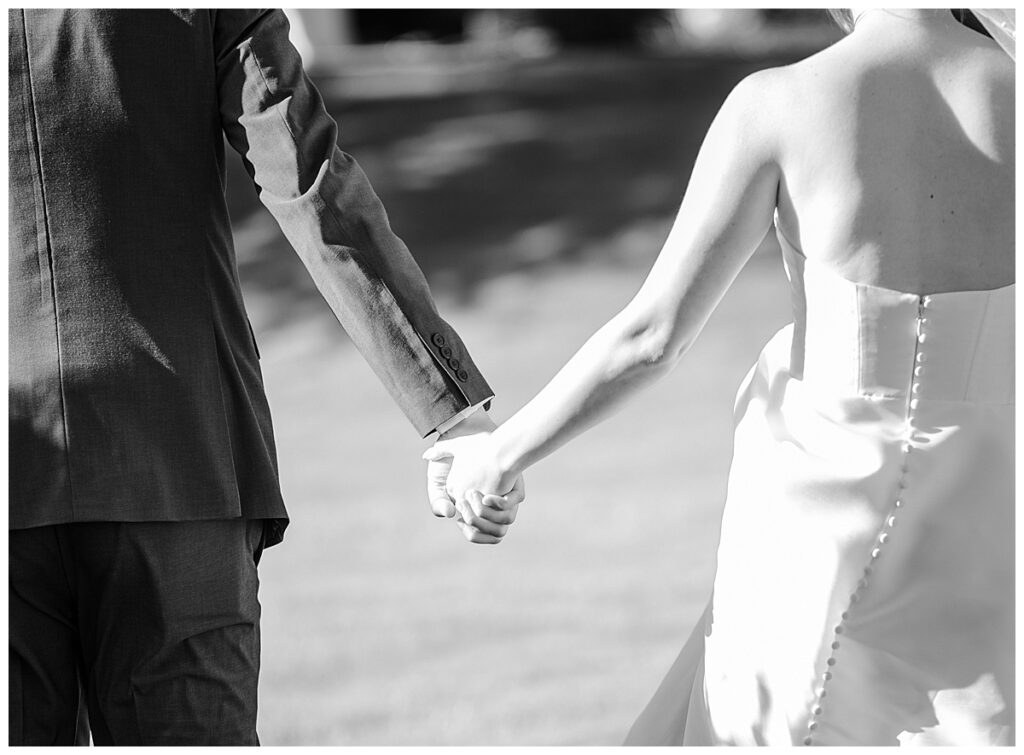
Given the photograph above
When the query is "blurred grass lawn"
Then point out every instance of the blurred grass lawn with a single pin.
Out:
(535, 206)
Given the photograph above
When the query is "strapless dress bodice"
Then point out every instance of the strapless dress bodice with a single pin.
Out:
(858, 339)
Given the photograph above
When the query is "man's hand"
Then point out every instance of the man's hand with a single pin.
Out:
(482, 499)
(438, 467)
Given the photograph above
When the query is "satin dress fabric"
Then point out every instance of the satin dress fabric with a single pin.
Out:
(864, 591)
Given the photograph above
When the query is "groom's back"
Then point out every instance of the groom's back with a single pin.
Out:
(133, 373)
(898, 156)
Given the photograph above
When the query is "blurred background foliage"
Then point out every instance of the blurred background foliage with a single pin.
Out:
(533, 161)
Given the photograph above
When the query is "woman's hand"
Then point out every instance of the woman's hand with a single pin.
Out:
(485, 519)
(472, 468)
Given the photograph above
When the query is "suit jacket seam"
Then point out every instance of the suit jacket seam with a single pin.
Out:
(37, 151)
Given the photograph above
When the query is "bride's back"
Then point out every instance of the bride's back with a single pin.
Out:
(897, 156)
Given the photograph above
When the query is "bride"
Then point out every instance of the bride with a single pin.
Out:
(864, 591)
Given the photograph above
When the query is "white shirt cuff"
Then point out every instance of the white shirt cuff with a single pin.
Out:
(452, 422)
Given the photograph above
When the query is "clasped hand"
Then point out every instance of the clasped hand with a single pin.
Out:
(465, 482)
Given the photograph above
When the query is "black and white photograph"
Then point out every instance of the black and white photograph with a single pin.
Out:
(522, 376)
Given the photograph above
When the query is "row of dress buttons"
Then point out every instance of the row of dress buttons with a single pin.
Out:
(890, 522)
(448, 355)
(876, 551)
(922, 337)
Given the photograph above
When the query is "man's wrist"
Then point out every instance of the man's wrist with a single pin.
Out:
(474, 419)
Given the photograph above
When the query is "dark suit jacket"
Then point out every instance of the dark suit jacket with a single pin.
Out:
(135, 388)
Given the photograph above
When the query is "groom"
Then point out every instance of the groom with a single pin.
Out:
(143, 476)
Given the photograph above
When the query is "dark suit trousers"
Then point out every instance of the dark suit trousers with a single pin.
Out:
(152, 628)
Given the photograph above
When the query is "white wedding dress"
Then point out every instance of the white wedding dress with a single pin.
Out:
(865, 583)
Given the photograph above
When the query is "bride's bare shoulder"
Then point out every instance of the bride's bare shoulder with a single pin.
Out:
(759, 94)
(763, 105)
(779, 88)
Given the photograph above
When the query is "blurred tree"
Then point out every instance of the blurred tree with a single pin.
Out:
(384, 25)
(598, 26)
(795, 15)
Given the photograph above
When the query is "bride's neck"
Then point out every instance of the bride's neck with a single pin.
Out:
(917, 16)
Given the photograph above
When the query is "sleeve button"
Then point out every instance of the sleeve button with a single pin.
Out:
(438, 339)
(463, 375)
(446, 352)
(455, 364)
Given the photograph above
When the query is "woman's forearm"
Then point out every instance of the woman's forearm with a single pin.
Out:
(626, 354)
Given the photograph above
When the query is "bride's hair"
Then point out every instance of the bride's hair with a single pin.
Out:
(844, 19)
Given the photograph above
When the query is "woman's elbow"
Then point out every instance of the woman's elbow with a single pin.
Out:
(656, 346)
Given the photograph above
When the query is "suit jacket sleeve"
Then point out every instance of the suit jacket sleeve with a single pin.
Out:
(275, 119)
